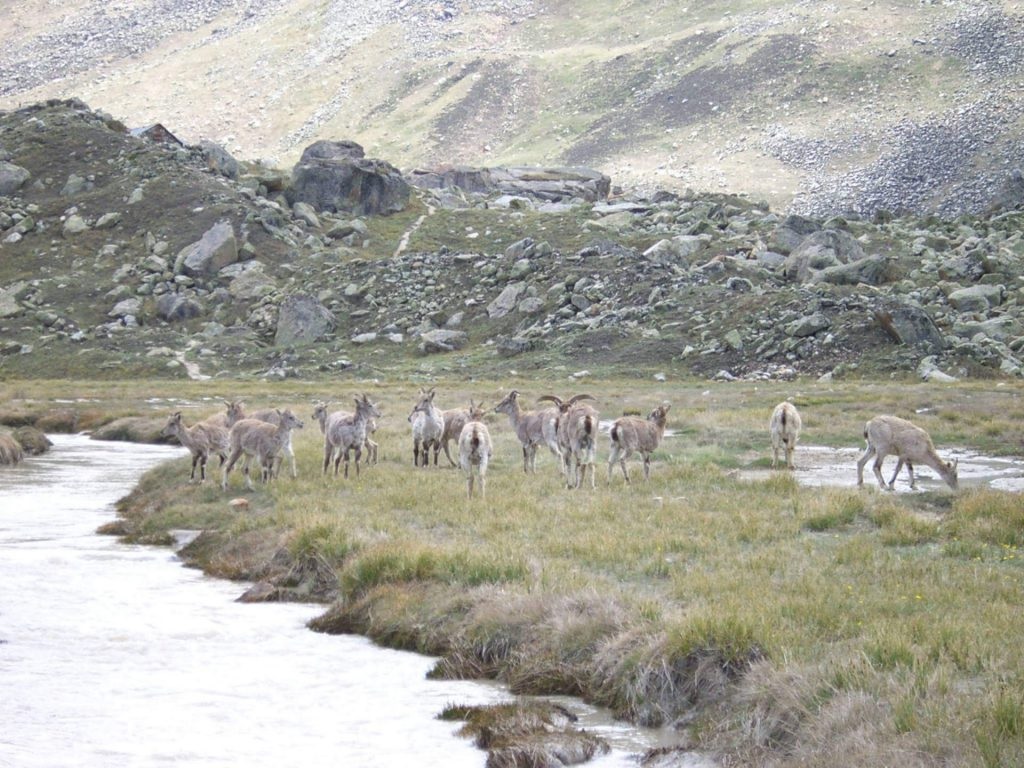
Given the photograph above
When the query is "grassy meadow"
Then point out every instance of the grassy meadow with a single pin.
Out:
(782, 625)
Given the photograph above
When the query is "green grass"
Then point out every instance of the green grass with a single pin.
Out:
(819, 624)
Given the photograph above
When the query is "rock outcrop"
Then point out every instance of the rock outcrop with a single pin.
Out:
(335, 176)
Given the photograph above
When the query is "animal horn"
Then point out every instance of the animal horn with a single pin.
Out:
(576, 398)
(550, 398)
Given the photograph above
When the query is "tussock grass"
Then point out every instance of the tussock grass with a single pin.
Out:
(786, 625)
(10, 450)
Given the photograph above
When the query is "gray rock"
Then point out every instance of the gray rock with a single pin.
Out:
(788, 236)
(442, 340)
(364, 338)
(218, 159)
(1001, 328)
(820, 250)
(552, 184)
(677, 250)
(734, 341)
(976, 298)
(334, 176)
(175, 308)
(521, 269)
(74, 185)
(108, 220)
(251, 282)
(506, 300)
(808, 325)
(531, 305)
(929, 371)
(132, 306)
(739, 284)
(74, 225)
(514, 345)
(9, 306)
(12, 178)
(302, 319)
(305, 212)
(911, 325)
(869, 271)
(215, 250)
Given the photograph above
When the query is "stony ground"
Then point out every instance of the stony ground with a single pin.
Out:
(119, 253)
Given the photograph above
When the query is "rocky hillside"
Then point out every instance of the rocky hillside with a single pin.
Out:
(124, 254)
(819, 108)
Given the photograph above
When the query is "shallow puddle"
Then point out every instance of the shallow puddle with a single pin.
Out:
(818, 466)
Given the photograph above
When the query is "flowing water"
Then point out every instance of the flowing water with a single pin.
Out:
(114, 655)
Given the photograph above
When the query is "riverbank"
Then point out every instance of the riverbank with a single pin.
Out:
(770, 623)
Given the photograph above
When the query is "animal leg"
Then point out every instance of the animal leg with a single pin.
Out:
(910, 471)
(877, 468)
(868, 453)
(448, 455)
(227, 469)
(895, 474)
(245, 471)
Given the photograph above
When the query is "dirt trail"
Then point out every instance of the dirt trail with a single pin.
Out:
(404, 242)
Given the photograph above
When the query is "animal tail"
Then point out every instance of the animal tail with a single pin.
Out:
(783, 419)
(615, 433)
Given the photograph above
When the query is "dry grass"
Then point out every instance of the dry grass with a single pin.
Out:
(789, 626)
(10, 450)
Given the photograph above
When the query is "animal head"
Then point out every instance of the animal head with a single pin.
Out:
(364, 406)
(424, 405)
(951, 476)
(320, 413)
(172, 426)
(476, 411)
(508, 403)
(564, 406)
(235, 410)
(288, 419)
(660, 414)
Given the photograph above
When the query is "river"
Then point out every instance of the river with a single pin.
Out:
(116, 655)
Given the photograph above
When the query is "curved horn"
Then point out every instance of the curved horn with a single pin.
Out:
(550, 398)
(576, 398)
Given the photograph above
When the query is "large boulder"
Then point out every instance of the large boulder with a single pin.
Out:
(821, 250)
(335, 176)
(535, 182)
(870, 270)
(216, 249)
(12, 178)
(175, 308)
(506, 301)
(442, 340)
(911, 325)
(977, 298)
(302, 319)
(218, 159)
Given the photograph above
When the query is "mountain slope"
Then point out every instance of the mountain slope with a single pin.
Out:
(813, 107)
